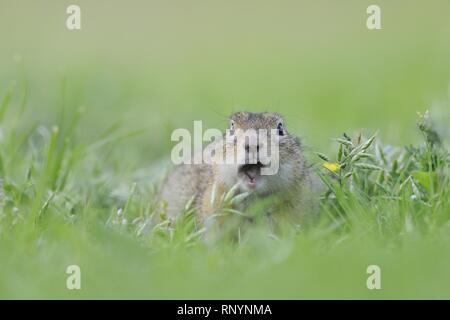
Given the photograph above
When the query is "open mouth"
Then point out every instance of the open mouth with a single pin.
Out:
(251, 173)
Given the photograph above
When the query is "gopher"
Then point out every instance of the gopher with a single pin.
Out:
(295, 180)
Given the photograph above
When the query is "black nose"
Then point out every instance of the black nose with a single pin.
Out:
(251, 170)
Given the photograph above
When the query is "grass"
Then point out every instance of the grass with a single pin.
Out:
(85, 140)
(60, 205)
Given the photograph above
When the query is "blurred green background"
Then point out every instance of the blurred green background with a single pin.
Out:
(159, 65)
(163, 64)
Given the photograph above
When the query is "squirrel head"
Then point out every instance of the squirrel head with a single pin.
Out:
(257, 121)
(259, 142)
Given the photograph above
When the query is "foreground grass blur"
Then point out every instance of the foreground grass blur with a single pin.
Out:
(61, 205)
(85, 137)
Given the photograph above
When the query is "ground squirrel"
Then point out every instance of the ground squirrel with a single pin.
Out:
(294, 180)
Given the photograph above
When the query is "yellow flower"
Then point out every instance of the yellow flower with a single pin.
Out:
(334, 167)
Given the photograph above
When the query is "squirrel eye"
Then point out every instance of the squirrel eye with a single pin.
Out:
(280, 129)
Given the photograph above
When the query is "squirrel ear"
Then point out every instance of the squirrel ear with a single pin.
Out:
(280, 128)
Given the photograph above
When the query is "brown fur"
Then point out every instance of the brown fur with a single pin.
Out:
(295, 180)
